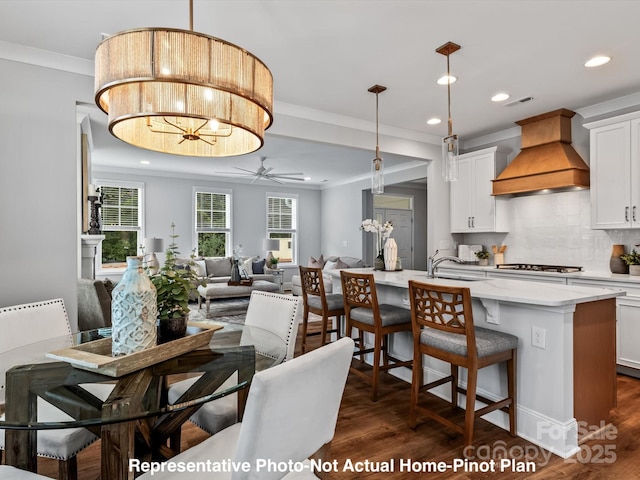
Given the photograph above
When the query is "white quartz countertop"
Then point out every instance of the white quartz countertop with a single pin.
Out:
(585, 275)
(500, 289)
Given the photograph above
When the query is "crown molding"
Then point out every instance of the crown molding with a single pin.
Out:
(45, 58)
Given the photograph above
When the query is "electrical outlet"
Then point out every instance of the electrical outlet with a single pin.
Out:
(538, 337)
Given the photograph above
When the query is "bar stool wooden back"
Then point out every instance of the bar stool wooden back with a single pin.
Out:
(443, 328)
(317, 301)
(363, 312)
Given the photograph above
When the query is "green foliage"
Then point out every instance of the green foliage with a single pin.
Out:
(118, 245)
(174, 283)
(482, 254)
(274, 260)
(211, 244)
(632, 258)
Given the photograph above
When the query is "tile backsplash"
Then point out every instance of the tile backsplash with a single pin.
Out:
(555, 229)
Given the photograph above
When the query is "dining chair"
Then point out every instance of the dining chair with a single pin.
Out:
(443, 328)
(274, 312)
(30, 323)
(278, 423)
(13, 473)
(317, 301)
(363, 312)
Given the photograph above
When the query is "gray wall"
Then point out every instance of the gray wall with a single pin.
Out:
(38, 183)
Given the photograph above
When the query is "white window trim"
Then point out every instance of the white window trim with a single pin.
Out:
(194, 232)
(295, 261)
(124, 184)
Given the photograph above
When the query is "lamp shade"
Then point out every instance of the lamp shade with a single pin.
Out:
(153, 244)
(182, 92)
(271, 244)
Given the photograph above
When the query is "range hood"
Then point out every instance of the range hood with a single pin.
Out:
(547, 161)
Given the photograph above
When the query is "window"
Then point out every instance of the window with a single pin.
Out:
(282, 224)
(213, 223)
(121, 215)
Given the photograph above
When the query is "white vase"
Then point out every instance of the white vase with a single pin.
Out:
(390, 254)
(134, 311)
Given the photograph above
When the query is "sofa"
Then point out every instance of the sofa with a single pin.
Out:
(214, 273)
(327, 264)
(218, 269)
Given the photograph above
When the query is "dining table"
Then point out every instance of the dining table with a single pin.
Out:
(133, 417)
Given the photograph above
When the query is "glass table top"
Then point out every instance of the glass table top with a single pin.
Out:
(84, 398)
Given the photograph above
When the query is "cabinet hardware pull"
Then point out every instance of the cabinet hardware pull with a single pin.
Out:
(469, 222)
(626, 214)
(473, 222)
(633, 214)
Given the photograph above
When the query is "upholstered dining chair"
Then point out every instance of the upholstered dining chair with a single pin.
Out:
(13, 473)
(277, 313)
(29, 323)
(363, 312)
(278, 424)
(317, 301)
(443, 328)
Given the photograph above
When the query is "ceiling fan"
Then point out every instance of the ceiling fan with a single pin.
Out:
(263, 173)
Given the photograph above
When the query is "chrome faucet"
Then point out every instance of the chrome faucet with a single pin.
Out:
(432, 263)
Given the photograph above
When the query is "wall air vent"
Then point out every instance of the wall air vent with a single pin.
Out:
(518, 101)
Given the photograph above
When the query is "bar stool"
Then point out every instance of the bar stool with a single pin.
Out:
(318, 302)
(442, 322)
(363, 312)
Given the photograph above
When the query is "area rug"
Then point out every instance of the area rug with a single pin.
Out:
(229, 310)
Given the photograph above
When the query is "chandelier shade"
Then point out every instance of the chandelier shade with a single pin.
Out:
(182, 92)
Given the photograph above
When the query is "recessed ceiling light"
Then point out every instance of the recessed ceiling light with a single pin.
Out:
(145, 162)
(433, 121)
(446, 79)
(597, 61)
(500, 97)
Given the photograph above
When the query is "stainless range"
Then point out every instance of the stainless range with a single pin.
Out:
(538, 268)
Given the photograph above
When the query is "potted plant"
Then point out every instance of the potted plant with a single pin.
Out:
(633, 260)
(273, 262)
(174, 283)
(483, 257)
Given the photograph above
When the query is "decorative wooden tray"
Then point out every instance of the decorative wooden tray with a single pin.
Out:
(245, 281)
(96, 356)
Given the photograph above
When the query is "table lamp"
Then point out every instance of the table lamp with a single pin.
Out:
(151, 246)
(270, 244)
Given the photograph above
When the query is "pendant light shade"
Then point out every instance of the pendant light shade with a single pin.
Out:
(450, 142)
(182, 92)
(377, 173)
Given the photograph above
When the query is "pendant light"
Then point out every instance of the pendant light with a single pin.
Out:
(450, 142)
(377, 174)
(182, 92)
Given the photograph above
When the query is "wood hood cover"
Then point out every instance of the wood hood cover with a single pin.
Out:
(547, 160)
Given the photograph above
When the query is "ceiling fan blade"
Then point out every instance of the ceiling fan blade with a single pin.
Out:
(245, 170)
(288, 173)
(287, 178)
(235, 173)
(271, 177)
(255, 180)
(266, 170)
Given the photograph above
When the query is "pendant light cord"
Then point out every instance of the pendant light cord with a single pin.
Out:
(450, 121)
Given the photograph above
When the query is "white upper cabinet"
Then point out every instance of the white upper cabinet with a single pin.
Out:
(473, 208)
(615, 172)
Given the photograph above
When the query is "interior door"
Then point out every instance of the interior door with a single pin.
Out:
(402, 221)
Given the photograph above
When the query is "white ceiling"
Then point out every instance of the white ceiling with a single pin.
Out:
(324, 55)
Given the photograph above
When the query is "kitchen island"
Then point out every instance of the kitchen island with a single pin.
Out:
(566, 352)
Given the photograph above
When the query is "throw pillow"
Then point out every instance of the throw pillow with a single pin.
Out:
(258, 267)
(330, 264)
(319, 263)
(218, 267)
(340, 264)
(200, 267)
(247, 265)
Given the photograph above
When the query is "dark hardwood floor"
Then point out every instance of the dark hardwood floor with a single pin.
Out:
(377, 432)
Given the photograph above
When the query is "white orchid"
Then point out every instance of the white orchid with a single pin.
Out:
(382, 231)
